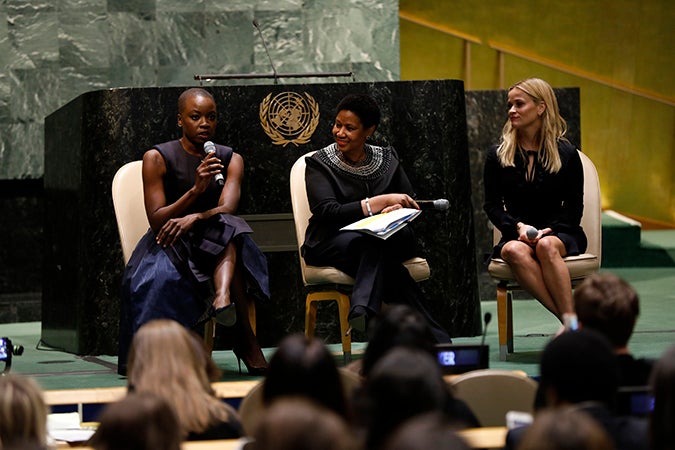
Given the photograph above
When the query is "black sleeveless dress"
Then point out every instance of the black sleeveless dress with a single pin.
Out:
(176, 282)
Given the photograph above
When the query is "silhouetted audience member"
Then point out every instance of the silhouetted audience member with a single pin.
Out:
(565, 429)
(425, 432)
(662, 418)
(401, 326)
(165, 360)
(608, 304)
(404, 383)
(298, 423)
(580, 368)
(397, 325)
(23, 413)
(303, 366)
(137, 422)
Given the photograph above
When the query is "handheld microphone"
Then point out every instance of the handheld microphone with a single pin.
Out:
(486, 319)
(531, 232)
(440, 204)
(274, 70)
(210, 147)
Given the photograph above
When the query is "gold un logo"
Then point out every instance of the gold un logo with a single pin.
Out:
(289, 118)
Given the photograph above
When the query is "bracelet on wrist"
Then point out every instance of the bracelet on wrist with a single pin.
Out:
(370, 211)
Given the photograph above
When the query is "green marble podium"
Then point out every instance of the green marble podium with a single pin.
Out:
(88, 139)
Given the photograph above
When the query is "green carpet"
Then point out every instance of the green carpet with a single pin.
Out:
(533, 327)
(625, 244)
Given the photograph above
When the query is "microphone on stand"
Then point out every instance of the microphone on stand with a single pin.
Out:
(486, 319)
(210, 147)
(440, 204)
(484, 349)
(262, 38)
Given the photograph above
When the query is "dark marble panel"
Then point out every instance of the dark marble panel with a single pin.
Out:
(92, 136)
(486, 113)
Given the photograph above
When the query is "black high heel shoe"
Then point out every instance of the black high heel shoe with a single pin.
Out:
(358, 319)
(226, 315)
(256, 369)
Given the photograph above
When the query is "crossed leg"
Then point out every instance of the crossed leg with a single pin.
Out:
(542, 272)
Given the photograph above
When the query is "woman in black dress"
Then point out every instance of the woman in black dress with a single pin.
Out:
(534, 187)
(347, 181)
(198, 259)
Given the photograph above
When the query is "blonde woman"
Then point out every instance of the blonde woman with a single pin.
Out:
(534, 186)
(164, 360)
(23, 413)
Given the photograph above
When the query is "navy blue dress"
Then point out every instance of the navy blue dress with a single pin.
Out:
(176, 282)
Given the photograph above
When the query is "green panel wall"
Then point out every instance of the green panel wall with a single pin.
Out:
(631, 138)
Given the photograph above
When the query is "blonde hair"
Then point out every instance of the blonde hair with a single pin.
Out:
(165, 361)
(553, 127)
(23, 412)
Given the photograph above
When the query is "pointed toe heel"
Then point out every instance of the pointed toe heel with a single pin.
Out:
(226, 316)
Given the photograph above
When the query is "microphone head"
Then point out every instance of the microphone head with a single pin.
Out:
(441, 204)
(531, 233)
(487, 318)
(255, 23)
(209, 147)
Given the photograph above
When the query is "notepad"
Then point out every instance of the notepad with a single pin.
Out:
(384, 225)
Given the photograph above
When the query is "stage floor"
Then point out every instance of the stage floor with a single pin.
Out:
(533, 327)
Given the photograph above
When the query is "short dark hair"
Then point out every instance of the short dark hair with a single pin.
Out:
(305, 367)
(580, 366)
(192, 92)
(609, 305)
(364, 106)
(397, 326)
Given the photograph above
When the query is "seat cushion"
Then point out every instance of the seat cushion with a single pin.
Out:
(315, 275)
(418, 268)
(579, 267)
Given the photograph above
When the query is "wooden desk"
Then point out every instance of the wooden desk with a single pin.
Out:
(224, 389)
(484, 437)
(226, 444)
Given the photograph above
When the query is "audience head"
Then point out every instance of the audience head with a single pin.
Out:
(398, 325)
(662, 419)
(427, 431)
(565, 429)
(137, 422)
(303, 366)
(403, 384)
(23, 413)
(609, 305)
(363, 106)
(165, 360)
(298, 423)
(579, 366)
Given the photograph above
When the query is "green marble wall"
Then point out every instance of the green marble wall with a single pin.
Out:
(51, 51)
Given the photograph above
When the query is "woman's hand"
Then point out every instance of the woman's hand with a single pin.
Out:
(391, 202)
(209, 167)
(532, 241)
(174, 228)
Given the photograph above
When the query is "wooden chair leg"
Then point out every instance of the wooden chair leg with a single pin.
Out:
(509, 321)
(310, 315)
(209, 334)
(503, 320)
(343, 311)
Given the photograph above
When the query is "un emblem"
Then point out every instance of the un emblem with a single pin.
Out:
(289, 118)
